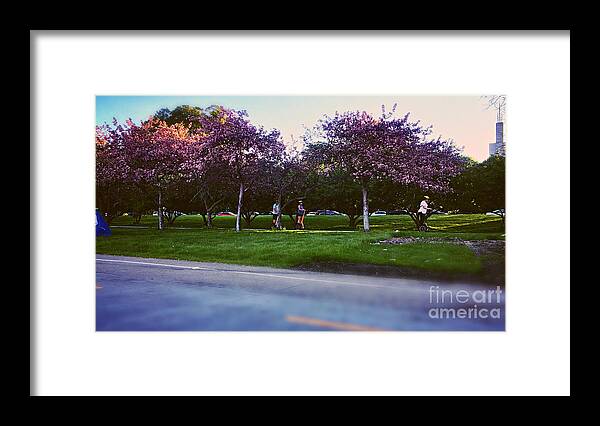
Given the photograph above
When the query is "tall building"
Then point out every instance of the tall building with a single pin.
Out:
(498, 146)
(498, 102)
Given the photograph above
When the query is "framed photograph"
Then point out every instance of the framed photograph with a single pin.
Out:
(295, 213)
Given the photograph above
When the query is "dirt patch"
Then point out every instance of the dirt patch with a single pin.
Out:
(479, 247)
(483, 247)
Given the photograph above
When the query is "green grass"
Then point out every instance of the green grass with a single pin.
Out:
(264, 247)
(465, 223)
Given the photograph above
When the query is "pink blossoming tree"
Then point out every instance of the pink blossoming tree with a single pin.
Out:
(239, 147)
(369, 148)
(151, 155)
(112, 189)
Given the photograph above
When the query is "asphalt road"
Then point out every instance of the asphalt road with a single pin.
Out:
(136, 294)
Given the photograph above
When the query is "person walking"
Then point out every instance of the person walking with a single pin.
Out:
(300, 213)
(423, 209)
(275, 211)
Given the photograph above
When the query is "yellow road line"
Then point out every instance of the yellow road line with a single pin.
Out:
(330, 324)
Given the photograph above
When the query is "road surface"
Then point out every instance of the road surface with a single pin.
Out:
(136, 294)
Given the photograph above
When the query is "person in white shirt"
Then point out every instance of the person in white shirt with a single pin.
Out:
(423, 209)
(275, 212)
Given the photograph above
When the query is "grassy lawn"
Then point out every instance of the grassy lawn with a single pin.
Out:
(466, 223)
(263, 247)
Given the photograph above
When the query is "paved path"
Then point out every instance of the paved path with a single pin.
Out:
(136, 294)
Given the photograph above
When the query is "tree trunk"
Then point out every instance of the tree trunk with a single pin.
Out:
(365, 209)
(160, 211)
(415, 219)
(208, 217)
(171, 218)
(137, 217)
(352, 221)
(239, 209)
(248, 217)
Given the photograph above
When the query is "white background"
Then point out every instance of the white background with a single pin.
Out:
(531, 357)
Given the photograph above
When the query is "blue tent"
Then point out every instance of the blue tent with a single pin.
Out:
(102, 228)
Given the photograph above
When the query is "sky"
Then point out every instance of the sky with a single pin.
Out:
(464, 119)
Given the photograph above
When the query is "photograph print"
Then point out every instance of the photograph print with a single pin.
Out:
(300, 213)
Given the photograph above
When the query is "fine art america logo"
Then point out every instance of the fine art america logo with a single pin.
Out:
(465, 304)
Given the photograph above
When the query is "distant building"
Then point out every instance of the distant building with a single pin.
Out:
(493, 149)
(498, 146)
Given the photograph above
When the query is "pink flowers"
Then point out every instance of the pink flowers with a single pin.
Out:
(220, 148)
(386, 148)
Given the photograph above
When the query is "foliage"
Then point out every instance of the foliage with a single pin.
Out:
(183, 114)
(208, 160)
(481, 187)
(369, 149)
(239, 147)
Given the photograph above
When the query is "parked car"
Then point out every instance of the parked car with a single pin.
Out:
(328, 213)
(378, 213)
(401, 211)
(225, 214)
